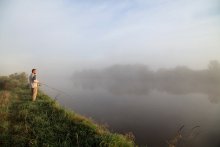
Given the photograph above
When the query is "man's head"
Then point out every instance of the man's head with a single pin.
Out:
(34, 71)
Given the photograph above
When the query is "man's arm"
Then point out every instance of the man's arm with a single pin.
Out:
(34, 79)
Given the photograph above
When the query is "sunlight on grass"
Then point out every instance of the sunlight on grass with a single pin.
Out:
(45, 122)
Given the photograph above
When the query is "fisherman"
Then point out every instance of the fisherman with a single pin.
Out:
(33, 84)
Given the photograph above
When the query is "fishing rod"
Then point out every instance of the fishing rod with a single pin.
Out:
(55, 89)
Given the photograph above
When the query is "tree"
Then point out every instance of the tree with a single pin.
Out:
(214, 65)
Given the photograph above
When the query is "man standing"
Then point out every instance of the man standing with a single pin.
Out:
(33, 84)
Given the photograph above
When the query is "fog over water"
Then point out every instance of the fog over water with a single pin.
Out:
(141, 66)
(150, 104)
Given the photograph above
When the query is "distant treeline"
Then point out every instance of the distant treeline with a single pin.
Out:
(139, 79)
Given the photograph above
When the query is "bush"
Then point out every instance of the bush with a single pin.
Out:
(13, 81)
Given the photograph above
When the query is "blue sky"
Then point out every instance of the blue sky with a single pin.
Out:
(59, 35)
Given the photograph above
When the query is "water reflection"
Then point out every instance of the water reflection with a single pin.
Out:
(151, 104)
(139, 80)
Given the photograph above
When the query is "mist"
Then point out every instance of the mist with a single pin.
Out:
(152, 104)
(140, 80)
(140, 66)
(147, 101)
(64, 36)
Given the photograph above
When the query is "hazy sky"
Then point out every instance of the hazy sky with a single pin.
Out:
(72, 34)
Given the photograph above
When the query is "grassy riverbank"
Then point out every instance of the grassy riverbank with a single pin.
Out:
(45, 122)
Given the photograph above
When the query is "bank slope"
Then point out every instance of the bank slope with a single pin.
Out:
(45, 123)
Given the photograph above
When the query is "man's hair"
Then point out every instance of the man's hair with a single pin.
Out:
(33, 70)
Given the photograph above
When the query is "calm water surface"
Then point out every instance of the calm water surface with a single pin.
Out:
(153, 117)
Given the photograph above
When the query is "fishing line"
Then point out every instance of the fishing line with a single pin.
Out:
(55, 89)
